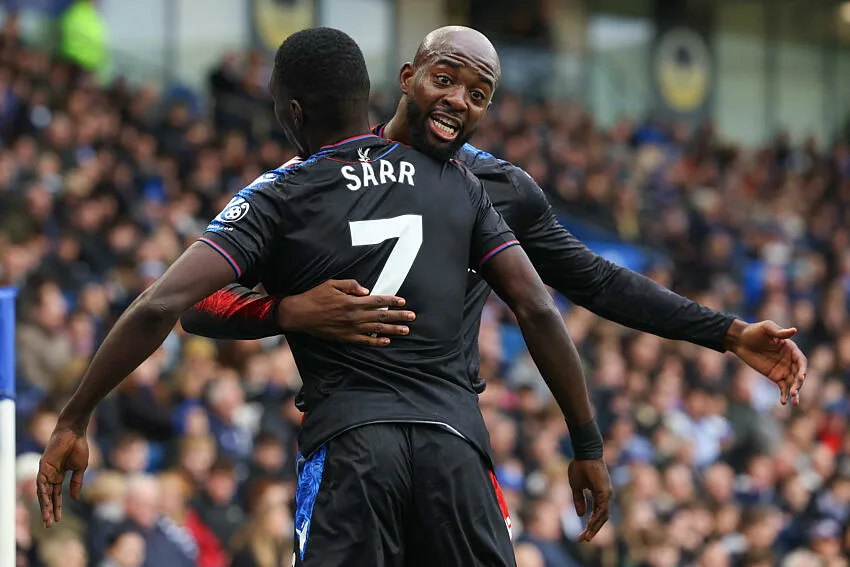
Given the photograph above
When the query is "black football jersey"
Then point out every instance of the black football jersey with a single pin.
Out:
(569, 266)
(399, 222)
(565, 263)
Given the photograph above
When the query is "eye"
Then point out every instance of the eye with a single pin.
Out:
(443, 80)
(478, 96)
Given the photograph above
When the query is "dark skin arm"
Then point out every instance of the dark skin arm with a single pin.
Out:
(633, 300)
(343, 310)
(514, 279)
(136, 335)
(337, 310)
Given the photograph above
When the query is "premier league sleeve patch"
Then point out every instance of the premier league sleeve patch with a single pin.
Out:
(235, 210)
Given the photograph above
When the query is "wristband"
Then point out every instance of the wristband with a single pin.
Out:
(587, 441)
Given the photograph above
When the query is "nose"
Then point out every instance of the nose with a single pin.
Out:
(456, 99)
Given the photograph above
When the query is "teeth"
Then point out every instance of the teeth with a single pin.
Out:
(447, 128)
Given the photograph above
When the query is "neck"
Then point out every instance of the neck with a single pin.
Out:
(396, 129)
(327, 136)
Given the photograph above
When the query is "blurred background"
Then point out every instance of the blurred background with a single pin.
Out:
(704, 143)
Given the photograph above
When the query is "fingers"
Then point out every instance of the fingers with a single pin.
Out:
(599, 516)
(778, 332)
(800, 361)
(784, 333)
(791, 383)
(802, 364)
(45, 499)
(376, 314)
(57, 501)
(801, 367)
(783, 392)
(382, 302)
(794, 385)
(369, 340)
(381, 330)
(795, 393)
(351, 287)
(76, 484)
(580, 501)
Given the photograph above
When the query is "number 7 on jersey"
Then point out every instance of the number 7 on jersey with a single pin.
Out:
(408, 230)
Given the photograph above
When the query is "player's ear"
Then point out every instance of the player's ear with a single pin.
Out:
(297, 114)
(405, 76)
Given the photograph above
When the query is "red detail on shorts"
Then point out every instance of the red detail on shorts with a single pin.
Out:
(503, 506)
(303, 416)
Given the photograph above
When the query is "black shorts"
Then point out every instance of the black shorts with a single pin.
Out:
(400, 495)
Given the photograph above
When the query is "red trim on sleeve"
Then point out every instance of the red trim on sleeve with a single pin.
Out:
(496, 250)
(224, 253)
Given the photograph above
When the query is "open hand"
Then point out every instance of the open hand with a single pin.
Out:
(591, 477)
(66, 451)
(343, 311)
(768, 348)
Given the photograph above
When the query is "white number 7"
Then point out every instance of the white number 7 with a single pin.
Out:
(408, 230)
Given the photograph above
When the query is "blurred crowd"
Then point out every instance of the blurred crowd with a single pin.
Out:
(708, 468)
(192, 458)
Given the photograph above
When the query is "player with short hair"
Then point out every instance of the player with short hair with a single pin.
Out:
(395, 465)
(437, 114)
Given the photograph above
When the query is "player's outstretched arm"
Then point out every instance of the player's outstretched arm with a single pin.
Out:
(139, 331)
(338, 310)
(613, 292)
(633, 300)
(512, 276)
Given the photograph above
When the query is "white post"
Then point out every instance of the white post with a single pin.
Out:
(7, 482)
(7, 426)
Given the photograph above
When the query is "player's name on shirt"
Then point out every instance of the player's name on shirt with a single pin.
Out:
(378, 172)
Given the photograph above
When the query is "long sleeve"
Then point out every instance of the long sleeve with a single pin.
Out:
(243, 234)
(610, 291)
(235, 312)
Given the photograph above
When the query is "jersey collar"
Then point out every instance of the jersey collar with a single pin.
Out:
(347, 140)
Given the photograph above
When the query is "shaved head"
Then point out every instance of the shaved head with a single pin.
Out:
(447, 90)
(462, 40)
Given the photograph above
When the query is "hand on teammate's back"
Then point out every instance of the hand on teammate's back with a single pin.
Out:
(343, 311)
(591, 477)
(768, 348)
(66, 451)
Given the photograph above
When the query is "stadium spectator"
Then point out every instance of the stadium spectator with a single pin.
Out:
(175, 490)
(266, 541)
(125, 548)
(63, 551)
(216, 503)
(100, 188)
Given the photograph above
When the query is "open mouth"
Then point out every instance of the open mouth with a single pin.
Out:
(444, 127)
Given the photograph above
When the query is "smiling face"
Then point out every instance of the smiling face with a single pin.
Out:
(448, 88)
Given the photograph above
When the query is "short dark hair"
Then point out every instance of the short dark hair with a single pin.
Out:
(122, 529)
(321, 66)
(266, 437)
(222, 465)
